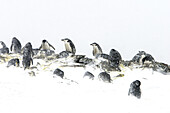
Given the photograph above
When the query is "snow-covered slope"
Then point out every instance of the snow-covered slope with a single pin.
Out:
(43, 93)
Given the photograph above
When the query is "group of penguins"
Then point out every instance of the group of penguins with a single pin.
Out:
(107, 62)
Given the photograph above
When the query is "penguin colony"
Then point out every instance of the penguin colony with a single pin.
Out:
(105, 62)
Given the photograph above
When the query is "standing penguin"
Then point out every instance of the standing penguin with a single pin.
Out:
(27, 56)
(15, 46)
(46, 45)
(26, 62)
(115, 55)
(28, 48)
(96, 49)
(69, 46)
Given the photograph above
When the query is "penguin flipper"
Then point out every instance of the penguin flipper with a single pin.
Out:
(40, 47)
(11, 47)
(51, 46)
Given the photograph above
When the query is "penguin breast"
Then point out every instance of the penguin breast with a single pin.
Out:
(45, 46)
(68, 48)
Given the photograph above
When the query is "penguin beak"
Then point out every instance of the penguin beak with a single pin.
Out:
(62, 39)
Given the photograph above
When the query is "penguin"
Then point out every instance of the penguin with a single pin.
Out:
(134, 89)
(115, 55)
(27, 56)
(104, 77)
(13, 62)
(96, 49)
(69, 45)
(148, 59)
(2, 45)
(26, 62)
(88, 75)
(144, 59)
(3, 48)
(45, 45)
(28, 48)
(138, 57)
(15, 46)
(59, 73)
(4, 51)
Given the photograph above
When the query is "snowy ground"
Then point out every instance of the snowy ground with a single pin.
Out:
(21, 93)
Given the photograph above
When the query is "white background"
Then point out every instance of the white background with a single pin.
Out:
(125, 25)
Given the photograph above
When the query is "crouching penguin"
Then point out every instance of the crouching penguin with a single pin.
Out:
(134, 89)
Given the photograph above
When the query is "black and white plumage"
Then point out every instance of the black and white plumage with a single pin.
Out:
(45, 45)
(107, 63)
(13, 62)
(28, 48)
(104, 77)
(2, 45)
(26, 62)
(3, 48)
(59, 73)
(27, 56)
(134, 89)
(88, 75)
(138, 57)
(15, 46)
(69, 45)
(148, 59)
(142, 57)
(96, 49)
(115, 55)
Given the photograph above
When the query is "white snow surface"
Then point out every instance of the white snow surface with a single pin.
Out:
(22, 93)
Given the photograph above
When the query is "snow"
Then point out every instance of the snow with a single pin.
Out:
(44, 93)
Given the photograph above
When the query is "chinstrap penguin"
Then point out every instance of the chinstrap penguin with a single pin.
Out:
(45, 45)
(96, 49)
(69, 45)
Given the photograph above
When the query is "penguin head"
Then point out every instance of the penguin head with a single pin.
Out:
(94, 44)
(112, 50)
(15, 40)
(66, 40)
(28, 45)
(44, 41)
(142, 53)
(137, 83)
